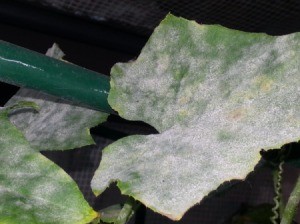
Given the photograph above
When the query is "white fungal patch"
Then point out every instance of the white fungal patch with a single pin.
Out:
(59, 125)
(226, 95)
(32, 188)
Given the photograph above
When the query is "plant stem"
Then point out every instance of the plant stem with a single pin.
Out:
(127, 211)
(292, 205)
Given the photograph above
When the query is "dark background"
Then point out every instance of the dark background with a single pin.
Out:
(97, 34)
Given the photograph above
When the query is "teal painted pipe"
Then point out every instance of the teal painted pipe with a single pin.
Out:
(26, 68)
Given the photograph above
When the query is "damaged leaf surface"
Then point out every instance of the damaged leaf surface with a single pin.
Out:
(217, 97)
(34, 190)
(59, 125)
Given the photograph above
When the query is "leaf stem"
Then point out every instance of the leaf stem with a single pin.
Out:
(292, 205)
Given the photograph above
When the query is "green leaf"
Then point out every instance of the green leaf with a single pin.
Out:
(34, 190)
(110, 214)
(60, 124)
(119, 214)
(127, 211)
(217, 96)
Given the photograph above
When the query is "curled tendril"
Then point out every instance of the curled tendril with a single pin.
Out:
(277, 188)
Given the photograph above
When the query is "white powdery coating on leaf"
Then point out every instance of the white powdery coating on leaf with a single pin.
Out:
(216, 96)
(32, 188)
(59, 125)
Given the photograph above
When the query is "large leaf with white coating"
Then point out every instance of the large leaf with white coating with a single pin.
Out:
(34, 190)
(60, 124)
(217, 96)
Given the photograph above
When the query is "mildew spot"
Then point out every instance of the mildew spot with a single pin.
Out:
(237, 114)
(264, 83)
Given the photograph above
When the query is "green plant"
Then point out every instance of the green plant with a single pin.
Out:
(215, 95)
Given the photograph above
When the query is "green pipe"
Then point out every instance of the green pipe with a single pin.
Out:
(25, 68)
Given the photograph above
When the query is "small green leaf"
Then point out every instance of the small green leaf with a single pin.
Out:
(34, 190)
(110, 214)
(217, 97)
(127, 211)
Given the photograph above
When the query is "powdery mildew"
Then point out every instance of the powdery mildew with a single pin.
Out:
(217, 97)
(60, 124)
(32, 188)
